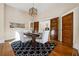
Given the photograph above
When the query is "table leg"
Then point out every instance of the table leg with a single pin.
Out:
(33, 42)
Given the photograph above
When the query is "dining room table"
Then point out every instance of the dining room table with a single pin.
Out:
(33, 36)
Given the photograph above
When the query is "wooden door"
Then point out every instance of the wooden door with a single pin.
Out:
(67, 30)
(36, 26)
(54, 24)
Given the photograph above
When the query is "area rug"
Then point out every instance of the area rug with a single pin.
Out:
(26, 49)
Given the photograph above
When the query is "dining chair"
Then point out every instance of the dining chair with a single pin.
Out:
(44, 38)
(20, 36)
(1, 39)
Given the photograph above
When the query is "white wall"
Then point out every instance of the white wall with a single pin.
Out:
(1, 22)
(75, 27)
(60, 29)
(14, 15)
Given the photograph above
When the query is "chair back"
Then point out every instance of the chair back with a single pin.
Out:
(1, 39)
(45, 36)
(20, 36)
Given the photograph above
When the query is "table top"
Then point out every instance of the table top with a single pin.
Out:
(32, 34)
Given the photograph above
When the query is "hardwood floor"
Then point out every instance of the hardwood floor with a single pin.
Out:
(59, 50)
(6, 49)
(62, 50)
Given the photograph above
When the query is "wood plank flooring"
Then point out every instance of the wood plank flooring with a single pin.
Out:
(62, 50)
(59, 50)
(6, 49)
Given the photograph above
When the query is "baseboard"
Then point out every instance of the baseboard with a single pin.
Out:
(9, 40)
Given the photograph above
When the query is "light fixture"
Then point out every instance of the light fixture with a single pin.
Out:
(33, 11)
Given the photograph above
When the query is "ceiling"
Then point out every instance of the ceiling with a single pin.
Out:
(46, 10)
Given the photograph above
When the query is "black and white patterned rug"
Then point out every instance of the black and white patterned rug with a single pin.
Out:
(26, 49)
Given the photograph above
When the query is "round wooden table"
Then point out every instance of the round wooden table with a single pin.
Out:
(33, 35)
